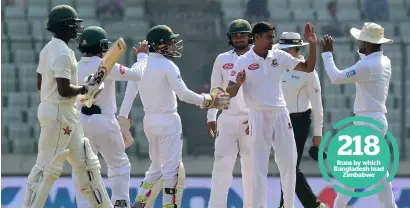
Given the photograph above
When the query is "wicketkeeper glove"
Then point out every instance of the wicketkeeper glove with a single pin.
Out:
(218, 98)
(314, 153)
(125, 125)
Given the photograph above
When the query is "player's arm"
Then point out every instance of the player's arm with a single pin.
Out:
(181, 90)
(216, 81)
(130, 93)
(355, 73)
(61, 68)
(234, 85)
(309, 64)
(122, 73)
(315, 97)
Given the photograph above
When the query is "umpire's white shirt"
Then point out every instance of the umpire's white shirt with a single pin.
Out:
(262, 89)
(371, 75)
(221, 72)
(106, 100)
(158, 88)
(57, 60)
(302, 92)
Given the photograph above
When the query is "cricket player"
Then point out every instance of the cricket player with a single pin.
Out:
(162, 124)
(61, 135)
(259, 72)
(230, 129)
(99, 122)
(304, 102)
(371, 75)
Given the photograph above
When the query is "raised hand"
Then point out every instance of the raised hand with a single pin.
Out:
(309, 33)
(327, 43)
(141, 48)
(240, 79)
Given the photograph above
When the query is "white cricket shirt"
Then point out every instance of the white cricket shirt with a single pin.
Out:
(57, 60)
(262, 89)
(106, 100)
(221, 72)
(371, 75)
(302, 92)
(158, 88)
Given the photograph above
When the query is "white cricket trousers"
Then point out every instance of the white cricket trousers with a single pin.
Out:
(267, 129)
(105, 137)
(164, 134)
(231, 139)
(386, 196)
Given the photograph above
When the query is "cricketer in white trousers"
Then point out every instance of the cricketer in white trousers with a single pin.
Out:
(162, 125)
(269, 121)
(103, 129)
(231, 138)
(371, 75)
(61, 135)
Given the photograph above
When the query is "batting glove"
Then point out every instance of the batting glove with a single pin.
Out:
(218, 98)
(92, 87)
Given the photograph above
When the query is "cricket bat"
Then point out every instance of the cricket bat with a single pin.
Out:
(111, 57)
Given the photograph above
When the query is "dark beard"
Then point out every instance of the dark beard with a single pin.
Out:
(240, 48)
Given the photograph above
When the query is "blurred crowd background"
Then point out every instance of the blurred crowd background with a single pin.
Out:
(203, 26)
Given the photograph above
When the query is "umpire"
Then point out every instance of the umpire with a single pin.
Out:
(302, 93)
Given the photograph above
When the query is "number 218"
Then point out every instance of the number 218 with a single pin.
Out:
(370, 141)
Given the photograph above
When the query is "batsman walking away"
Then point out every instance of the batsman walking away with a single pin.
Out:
(98, 120)
(159, 86)
(61, 136)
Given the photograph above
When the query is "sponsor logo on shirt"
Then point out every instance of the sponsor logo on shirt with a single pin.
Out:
(350, 73)
(227, 66)
(274, 63)
(253, 66)
(295, 77)
(122, 70)
(233, 72)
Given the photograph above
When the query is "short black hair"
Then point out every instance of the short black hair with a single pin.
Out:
(262, 27)
(331, 4)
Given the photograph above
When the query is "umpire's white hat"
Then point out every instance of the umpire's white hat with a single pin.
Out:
(289, 40)
(370, 32)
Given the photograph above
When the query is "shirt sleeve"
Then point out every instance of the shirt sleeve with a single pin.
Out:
(315, 98)
(286, 60)
(123, 73)
(61, 67)
(180, 89)
(130, 93)
(355, 73)
(216, 81)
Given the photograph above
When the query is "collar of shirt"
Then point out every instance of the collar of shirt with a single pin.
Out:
(374, 54)
(256, 57)
(58, 40)
(88, 58)
(153, 54)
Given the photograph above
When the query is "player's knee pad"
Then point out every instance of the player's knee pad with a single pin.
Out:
(177, 191)
(41, 180)
(89, 180)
